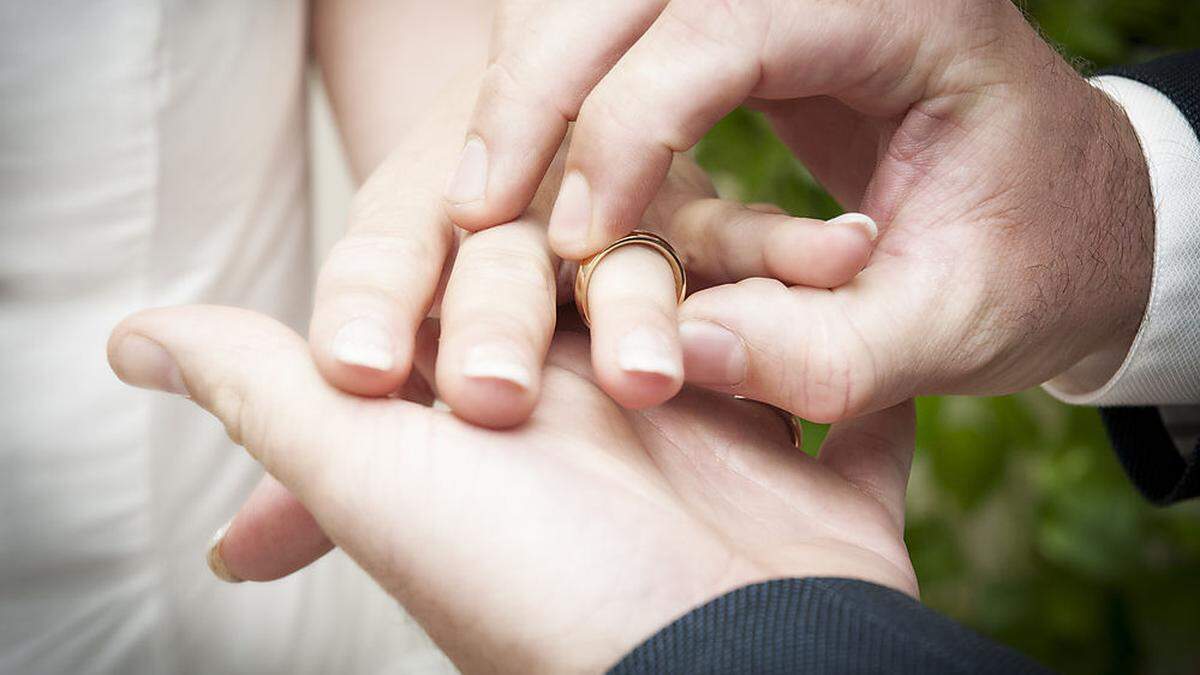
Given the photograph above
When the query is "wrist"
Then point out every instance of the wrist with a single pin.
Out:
(1123, 212)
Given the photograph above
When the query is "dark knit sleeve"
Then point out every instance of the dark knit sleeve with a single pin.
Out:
(819, 625)
(1146, 450)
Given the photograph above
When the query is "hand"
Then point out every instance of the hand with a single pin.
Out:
(1012, 198)
(496, 291)
(559, 545)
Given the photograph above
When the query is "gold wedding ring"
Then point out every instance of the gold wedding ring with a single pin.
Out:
(583, 277)
(792, 421)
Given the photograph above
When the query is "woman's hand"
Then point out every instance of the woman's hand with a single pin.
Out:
(560, 544)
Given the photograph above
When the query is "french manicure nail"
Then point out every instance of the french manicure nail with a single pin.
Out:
(571, 217)
(365, 342)
(497, 362)
(712, 354)
(642, 350)
(469, 181)
(144, 363)
(862, 220)
(216, 562)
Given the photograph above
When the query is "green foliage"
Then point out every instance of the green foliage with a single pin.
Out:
(1021, 522)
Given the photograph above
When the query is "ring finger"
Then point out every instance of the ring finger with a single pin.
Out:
(632, 300)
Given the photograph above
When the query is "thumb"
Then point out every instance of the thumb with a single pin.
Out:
(257, 377)
(825, 355)
(273, 534)
(874, 453)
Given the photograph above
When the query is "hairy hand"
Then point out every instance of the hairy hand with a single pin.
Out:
(1012, 198)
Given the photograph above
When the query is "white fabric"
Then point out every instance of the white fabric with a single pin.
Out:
(1163, 364)
(151, 153)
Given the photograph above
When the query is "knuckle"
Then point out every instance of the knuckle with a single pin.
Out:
(384, 262)
(227, 403)
(258, 422)
(509, 79)
(511, 325)
(604, 115)
(732, 30)
(514, 269)
(820, 389)
(827, 372)
(712, 21)
(384, 201)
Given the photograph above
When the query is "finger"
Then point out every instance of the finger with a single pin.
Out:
(820, 354)
(271, 536)
(694, 65)
(690, 68)
(378, 283)
(874, 452)
(632, 302)
(257, 377)
(724, 241)
(497, 317)
(545, 62)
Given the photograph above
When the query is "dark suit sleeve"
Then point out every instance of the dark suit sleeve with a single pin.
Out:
(820, 626)
(1155, 465)
(1149, 455)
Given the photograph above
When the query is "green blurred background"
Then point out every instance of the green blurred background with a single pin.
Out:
(1021, 523)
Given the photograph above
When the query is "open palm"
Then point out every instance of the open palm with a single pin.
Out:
(561, 543)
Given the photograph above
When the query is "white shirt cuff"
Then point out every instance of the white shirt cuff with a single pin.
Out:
(1163, 364)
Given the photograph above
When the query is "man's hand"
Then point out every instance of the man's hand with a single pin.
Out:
(1012, 198)
(560, 545)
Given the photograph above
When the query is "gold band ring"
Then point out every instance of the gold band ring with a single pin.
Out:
(583, 277)
(792, 421)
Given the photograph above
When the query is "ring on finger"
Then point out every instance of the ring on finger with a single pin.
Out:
(583, 276)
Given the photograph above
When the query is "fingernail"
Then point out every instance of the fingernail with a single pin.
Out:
(712, 354)
(470, 178)
(144, 363)
(642, 350)
(216, 563)
(497, 362)
(862, 220)
(572, 214)
(365, 342)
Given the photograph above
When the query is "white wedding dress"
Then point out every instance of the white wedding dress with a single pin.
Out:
(151, 153)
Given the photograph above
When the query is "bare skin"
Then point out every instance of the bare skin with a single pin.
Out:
(1012, 198)
(557, 546)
